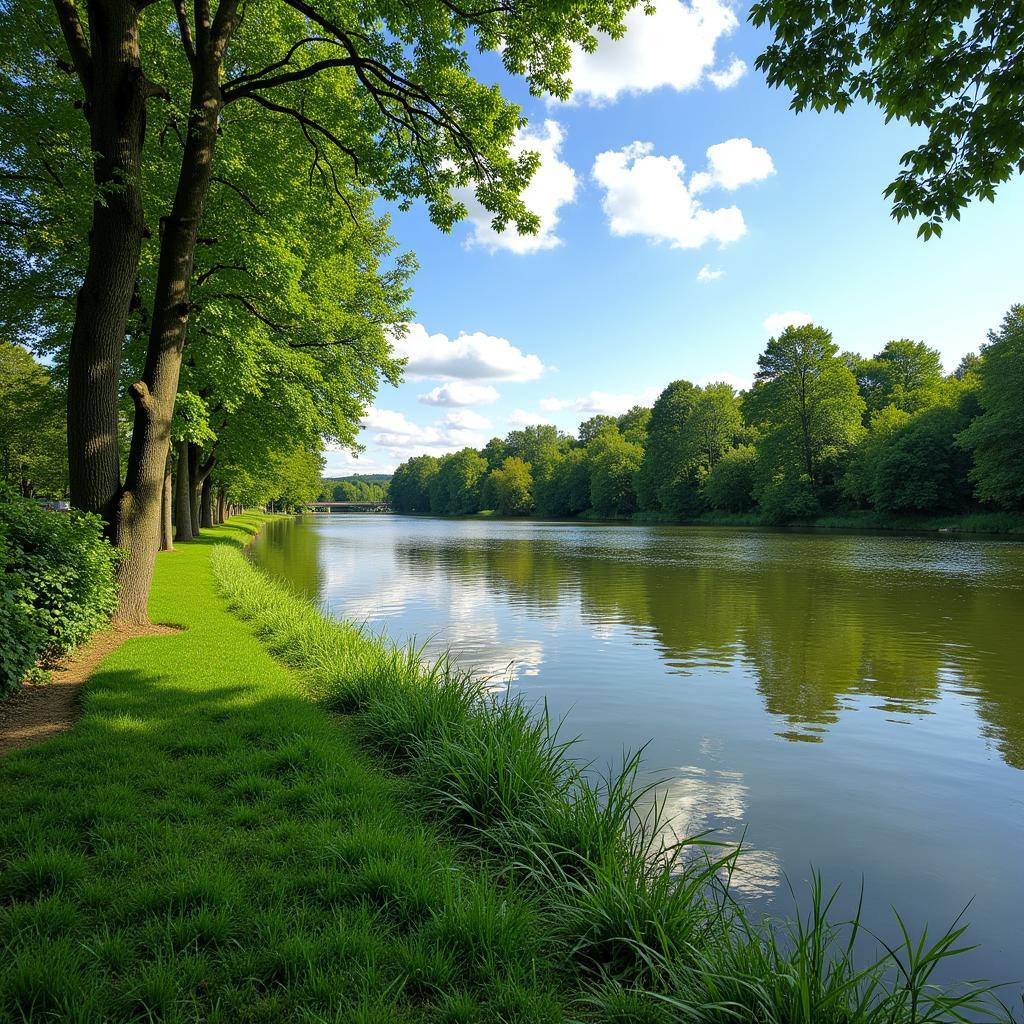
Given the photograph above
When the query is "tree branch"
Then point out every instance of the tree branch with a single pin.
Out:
(289, 76)
(240, 193)
(186, 31)
(76, 40)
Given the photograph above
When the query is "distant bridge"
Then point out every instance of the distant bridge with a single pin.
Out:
(347, 506)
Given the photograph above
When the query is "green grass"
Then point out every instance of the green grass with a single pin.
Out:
(290, 819)
(208, 845)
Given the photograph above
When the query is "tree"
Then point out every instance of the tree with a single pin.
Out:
(921, 468)
(614, 465)
(905, 374)
(409, 490)
(858, 482)
(729, 486)
(953, 70)
(633, 424)
(713, 426)
(394, 100)
(455, 489)
(805, 401)
(535, 444)
(664, 463)
(564, 490)
(589, 429)
(512, 485)
(996, 437)
(32, 426)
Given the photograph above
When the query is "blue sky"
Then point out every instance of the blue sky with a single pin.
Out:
(604, 308)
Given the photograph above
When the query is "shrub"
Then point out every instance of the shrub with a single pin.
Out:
(789, 501)
(58, 584)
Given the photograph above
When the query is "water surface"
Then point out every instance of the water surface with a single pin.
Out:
(851, 702)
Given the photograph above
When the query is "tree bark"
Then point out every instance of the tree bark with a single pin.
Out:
(221, 500)
(195, 484)
(166, 501)
(116, 91)
(206, 504)
(154, 394)
(182, 495)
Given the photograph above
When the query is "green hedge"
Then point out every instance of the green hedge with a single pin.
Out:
(58, 584)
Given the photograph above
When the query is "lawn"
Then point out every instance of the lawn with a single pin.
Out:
(208, 845)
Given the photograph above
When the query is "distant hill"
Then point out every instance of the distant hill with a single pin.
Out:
(357, 478)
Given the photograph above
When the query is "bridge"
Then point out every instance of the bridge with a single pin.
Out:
(346, 506)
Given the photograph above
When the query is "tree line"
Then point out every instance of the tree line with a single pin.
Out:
(820, 431)
(368, 487)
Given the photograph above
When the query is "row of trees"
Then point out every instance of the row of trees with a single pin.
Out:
(820, 431)
(368, 488)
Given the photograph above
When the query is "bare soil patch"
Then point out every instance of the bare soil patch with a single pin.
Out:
(40, 710)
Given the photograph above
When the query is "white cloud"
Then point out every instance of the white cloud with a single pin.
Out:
(778, 322)
(476, 356)
(465, 419)
(729, 76)
(647, 195)
(524, 418)
(706, 273)
(733, 163)
(460, 392)
(673, 47)
(400, 438)
(552, 186)
(601, 402)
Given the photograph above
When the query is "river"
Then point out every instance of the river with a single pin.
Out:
(850, 702)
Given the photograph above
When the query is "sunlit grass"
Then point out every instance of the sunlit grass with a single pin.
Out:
(649, 927)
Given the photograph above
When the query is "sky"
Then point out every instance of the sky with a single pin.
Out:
(687, 215)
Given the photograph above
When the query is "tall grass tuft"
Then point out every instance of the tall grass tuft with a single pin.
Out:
(648, 920)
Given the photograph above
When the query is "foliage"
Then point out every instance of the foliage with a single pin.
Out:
(33, 447)
(409, 490)
(789, 499)
(905, 374)
(922, 468)
(58, 577)
(996, 438)
(729, 487)
(664, 460)
(615, 463)
(512, 485)
(806, 404)
(954, 71)
(455, 489)
(563, 489)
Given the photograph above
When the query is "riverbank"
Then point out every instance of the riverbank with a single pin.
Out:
(345, 834)
(208, 845)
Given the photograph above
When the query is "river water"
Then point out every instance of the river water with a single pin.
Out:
(851, 703)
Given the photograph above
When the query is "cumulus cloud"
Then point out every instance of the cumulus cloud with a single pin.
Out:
(778, 322)
(600, 402)
(733, 163)
(400, 438)
(706, 273)
(552, 186)
(728, 77)
(647, 195)
(674, 47)
(468, 357)
(525, 418)
(460, 392)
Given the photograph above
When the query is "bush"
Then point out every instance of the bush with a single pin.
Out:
(790, 501)
(58, 584)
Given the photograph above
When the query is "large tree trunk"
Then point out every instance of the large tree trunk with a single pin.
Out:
(182, 495)
(221, 501)
(137, 526)
(116, 92)
(166, 501)
(196, 484)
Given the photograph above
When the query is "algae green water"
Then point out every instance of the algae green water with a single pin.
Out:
(851, 702)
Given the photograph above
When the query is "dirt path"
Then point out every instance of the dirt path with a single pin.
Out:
(36, 712)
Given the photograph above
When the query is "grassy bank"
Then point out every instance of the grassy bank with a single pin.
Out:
(640, 929)
(208, 845)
